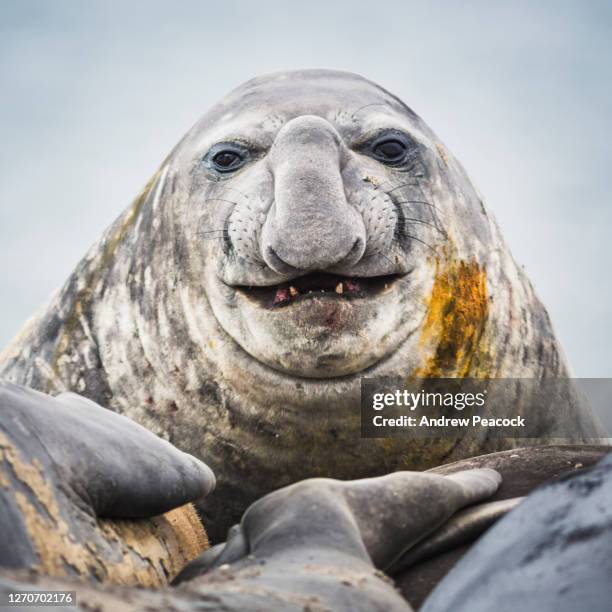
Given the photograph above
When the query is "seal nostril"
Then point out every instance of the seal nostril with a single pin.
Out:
(278, 264)
(355, 248)
(354, 255)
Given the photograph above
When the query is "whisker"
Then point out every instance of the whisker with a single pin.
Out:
(380, 185)
(383, 255)
(398, 202)
(426, 223)
(376, 254)
(400, 187)
(419, 240)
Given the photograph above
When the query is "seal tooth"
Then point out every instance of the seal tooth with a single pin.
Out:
(293, 291)
(339, 288)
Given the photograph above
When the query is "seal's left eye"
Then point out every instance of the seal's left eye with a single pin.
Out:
(227, 160)
(389, 150)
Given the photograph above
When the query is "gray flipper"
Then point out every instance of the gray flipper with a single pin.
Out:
(326, 541)
(463, 528)
(64, 463)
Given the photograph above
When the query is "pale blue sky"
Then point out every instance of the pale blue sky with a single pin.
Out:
(94, 94)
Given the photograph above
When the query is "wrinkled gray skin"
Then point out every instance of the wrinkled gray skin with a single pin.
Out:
(317, 543)
(552, 553)
(153, 322)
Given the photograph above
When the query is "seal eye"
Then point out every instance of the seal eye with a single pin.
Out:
(227, 160)
(227, 157)
(389, 150)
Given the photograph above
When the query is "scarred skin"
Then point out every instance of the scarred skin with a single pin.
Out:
(154, 323)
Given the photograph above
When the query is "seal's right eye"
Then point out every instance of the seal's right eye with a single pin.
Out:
(227, 157)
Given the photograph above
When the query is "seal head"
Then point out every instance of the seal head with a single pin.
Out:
(306, 226)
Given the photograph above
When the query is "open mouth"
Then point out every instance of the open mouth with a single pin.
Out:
(318, 285)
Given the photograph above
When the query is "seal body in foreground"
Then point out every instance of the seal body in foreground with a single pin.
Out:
(86, 492)
(308, 231)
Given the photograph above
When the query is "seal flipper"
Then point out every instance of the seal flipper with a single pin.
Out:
(313, 539)
(64, 464)
(117, 467)
(463, 528)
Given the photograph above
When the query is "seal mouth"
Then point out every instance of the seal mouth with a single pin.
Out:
(318, 284)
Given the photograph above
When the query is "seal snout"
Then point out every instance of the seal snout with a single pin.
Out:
(310, 225)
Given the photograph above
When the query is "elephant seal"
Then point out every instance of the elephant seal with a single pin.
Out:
(308, 231)
(86, 492)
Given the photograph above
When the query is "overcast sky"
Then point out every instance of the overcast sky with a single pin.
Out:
(94, 95)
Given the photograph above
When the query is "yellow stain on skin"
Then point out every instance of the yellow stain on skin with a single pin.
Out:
(138, 552)
(456, 317)
(452, 345)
